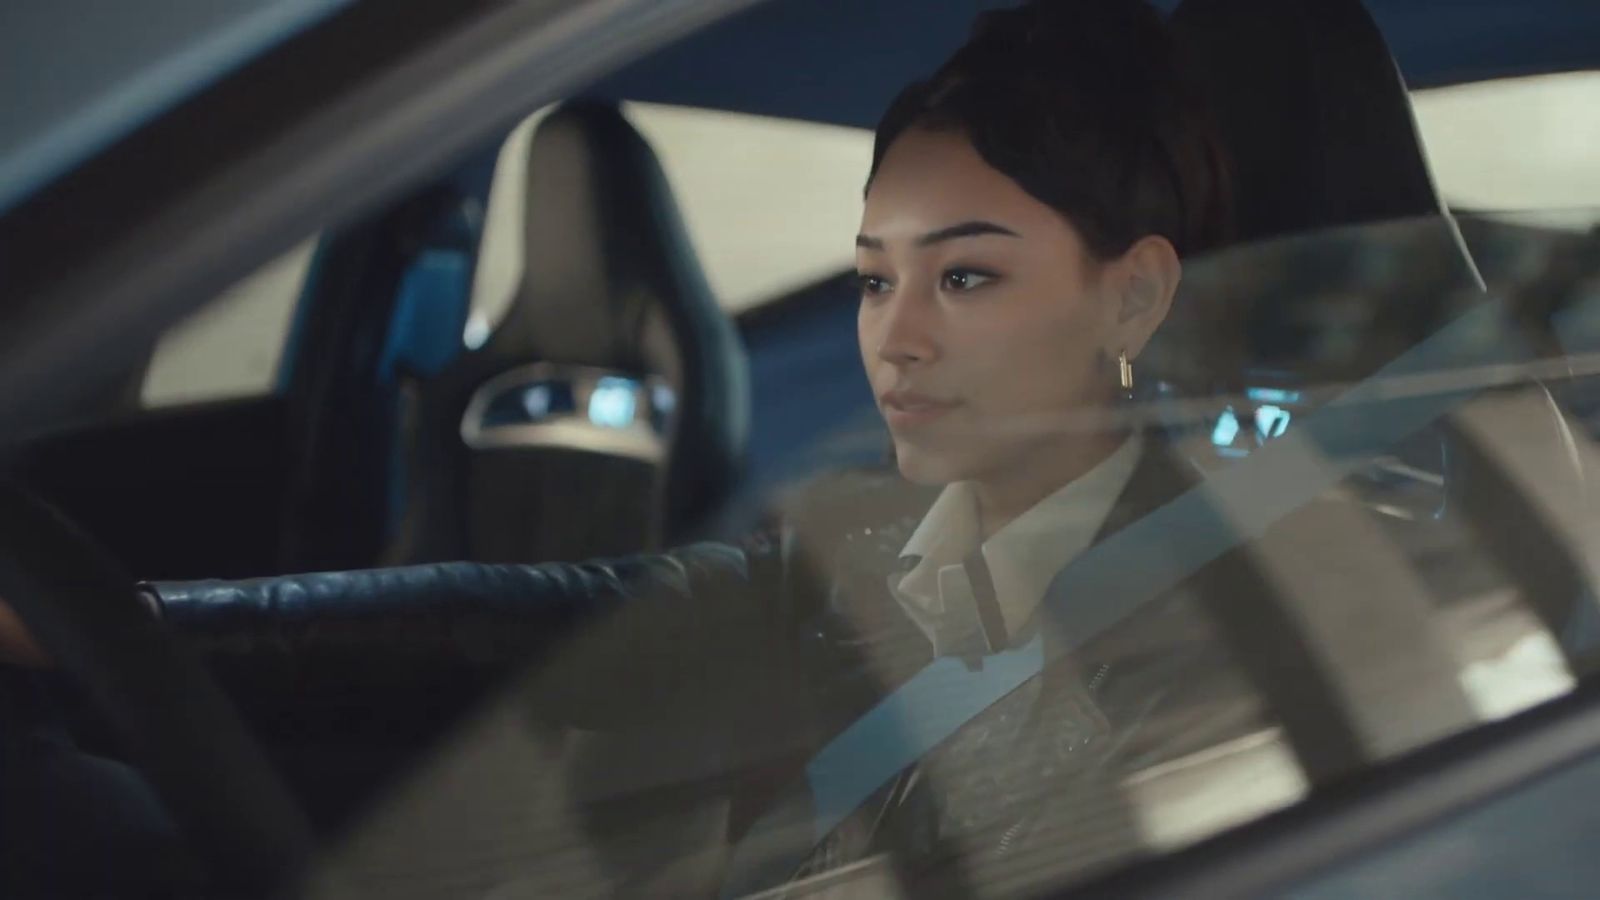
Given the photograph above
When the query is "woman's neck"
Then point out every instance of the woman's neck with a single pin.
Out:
(1016, 488)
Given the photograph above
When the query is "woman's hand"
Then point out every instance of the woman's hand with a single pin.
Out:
(17, 646)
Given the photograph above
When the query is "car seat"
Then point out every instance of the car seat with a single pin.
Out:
(608, 410)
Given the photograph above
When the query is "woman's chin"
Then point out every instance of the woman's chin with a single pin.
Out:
(929, 469)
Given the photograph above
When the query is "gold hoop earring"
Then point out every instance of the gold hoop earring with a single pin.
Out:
(1125, 372)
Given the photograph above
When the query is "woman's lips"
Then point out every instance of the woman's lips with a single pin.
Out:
(907, 409)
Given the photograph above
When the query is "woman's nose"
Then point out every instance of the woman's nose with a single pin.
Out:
(908, 333)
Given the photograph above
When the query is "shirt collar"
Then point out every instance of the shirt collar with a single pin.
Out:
(1025, 555)
(947, 532)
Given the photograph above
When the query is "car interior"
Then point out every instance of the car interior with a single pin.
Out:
(617, 406)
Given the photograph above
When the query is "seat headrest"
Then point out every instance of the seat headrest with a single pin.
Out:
(1313, 112)
(604, 249)
(610, 280)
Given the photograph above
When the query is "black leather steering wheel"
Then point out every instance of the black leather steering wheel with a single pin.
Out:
(171, 720)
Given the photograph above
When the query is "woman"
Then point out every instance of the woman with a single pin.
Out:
(1024, 221)
(1026, 215)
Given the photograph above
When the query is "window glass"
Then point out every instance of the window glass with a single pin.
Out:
(765, 201)
(1391, 546)
(1517, 145)
(1386, 580)
(1017, 612)
(234, 345)
(769, 203)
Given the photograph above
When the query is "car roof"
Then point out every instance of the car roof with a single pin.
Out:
(96, 69)
(93, 78)
(840, 61)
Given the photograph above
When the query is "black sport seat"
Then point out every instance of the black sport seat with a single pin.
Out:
(1317, 122)
(1313, 112)
(609, 409)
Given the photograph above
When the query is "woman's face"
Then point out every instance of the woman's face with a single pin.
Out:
(985, 324)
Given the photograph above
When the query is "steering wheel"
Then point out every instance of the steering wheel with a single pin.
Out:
(174, 724)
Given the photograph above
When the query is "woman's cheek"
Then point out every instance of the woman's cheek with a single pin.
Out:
(1052, 378)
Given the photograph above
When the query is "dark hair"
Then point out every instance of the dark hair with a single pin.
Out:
(1089, 106)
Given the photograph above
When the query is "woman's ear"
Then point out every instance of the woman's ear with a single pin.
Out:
(1150, 272)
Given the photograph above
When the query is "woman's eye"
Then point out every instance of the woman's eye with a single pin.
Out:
(960, 280)
(872, 284)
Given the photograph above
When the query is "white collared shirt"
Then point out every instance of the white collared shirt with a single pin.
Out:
(1022, 557)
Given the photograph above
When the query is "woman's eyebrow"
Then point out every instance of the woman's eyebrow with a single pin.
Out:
(965, 229)
(973, 228)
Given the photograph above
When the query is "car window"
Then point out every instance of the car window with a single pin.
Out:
(1380, 475)
(1340, 508)
(1516, 145)
(754, 229)
(759, 235)
(1394, 464)
(234, 346)
(752, 190)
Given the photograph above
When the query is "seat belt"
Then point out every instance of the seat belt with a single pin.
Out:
(1117, 576)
